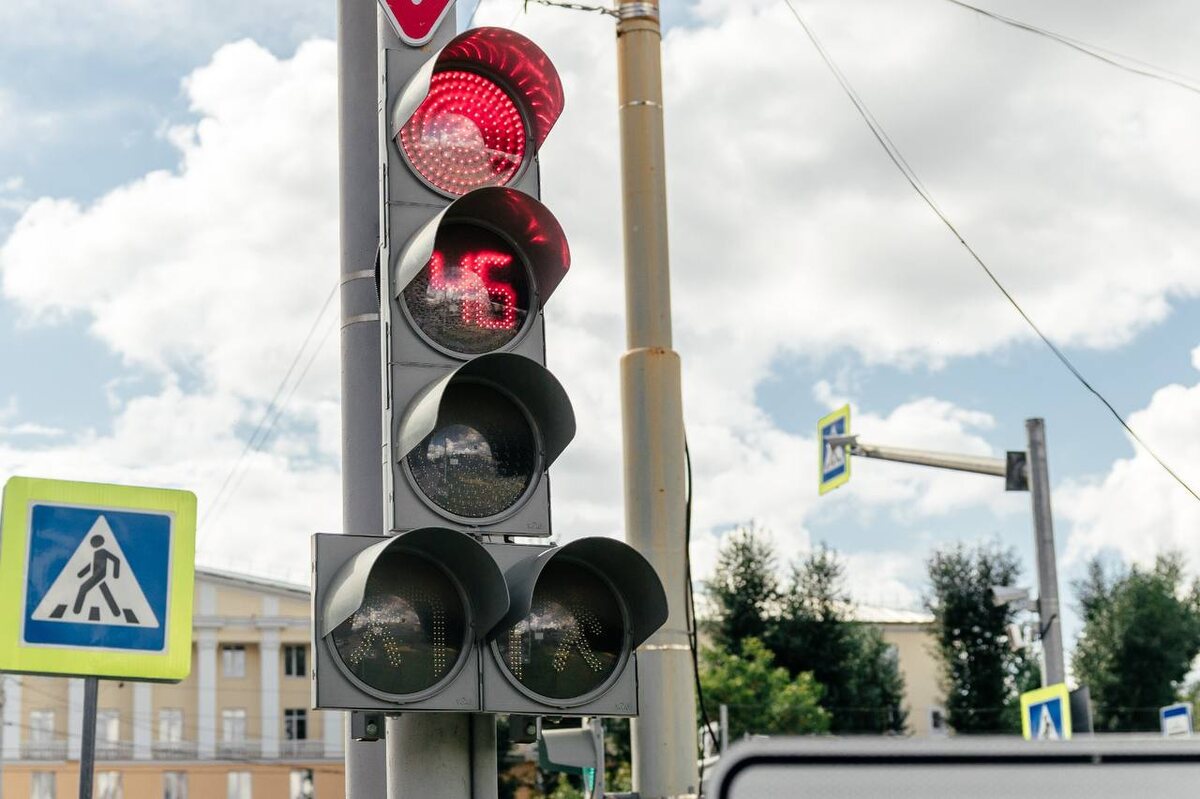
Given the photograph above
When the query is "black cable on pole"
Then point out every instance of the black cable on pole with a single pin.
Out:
(690, 604)
(894, 154)
(1099, 53)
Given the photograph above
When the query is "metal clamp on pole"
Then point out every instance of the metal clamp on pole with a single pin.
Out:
(638, 10)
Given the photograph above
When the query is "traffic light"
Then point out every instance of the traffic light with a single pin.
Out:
(449, 613)
(434, 620)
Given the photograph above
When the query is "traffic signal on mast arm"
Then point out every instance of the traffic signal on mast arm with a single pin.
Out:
(448, 613)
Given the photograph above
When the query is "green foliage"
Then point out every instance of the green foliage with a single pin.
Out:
(762, 698)
(864, 688)
(982, 676)
(743, 588)
(1141, 633)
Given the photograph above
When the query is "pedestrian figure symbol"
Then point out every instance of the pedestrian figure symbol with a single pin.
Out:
(96, 586)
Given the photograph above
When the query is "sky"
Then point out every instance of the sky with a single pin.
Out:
(168, 240)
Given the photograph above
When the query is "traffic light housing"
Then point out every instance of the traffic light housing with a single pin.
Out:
(434, 620)
(449, 613)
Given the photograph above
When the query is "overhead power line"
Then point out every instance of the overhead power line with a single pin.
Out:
(1118, 60)
(271, 414)
(898, 159)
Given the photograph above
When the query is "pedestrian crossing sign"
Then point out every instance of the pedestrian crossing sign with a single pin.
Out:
(1046, 714)
(96, 580)
(833, 460)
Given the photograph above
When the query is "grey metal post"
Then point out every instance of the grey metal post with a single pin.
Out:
(87, 749)
(358, 159)
(664, 736)
(1049, 619)
(724, 728)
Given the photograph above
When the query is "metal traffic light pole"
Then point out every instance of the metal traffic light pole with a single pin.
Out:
(664, 751)
(358, 195)
(1032, 474)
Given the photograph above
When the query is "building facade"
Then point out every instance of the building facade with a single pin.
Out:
(239, 727)
(910, 634)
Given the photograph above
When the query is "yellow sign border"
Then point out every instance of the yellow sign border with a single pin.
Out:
(174, 663)
(1037, 697)
(824, 487)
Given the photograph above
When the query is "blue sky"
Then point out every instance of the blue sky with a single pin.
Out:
(137, 189)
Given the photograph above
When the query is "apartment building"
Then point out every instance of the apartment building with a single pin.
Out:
(910, 635)
(239, 727)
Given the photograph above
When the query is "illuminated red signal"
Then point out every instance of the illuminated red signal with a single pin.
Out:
(483, 302)
(467, 134)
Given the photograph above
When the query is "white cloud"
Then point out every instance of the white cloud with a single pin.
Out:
(791, 234)
(1136, 509)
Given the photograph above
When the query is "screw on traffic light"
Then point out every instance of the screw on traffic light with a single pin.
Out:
(449, 613)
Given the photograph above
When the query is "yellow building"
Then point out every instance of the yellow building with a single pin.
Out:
(910, 633)
(239, 727)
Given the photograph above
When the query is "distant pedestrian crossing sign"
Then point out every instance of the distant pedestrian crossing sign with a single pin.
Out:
(96, 580)
(1046, 714)
(833, 460)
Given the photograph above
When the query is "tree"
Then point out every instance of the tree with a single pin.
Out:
(813, 632)
(762, 698)
(982, 675)
(743, 588)
(1141, 632)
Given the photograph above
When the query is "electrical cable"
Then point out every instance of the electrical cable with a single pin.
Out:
(278, 409)
(893, 153)
(690, 604)
(250, 442)
(1099, 53)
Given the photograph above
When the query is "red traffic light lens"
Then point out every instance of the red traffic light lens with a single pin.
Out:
(409, 632)
(474, 294)
(482, 456)
(467, 134)
(573, 639)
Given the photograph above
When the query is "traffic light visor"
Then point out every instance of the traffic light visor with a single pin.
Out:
(476, 441)
(400, 616)
(474, 276)
(475, 112)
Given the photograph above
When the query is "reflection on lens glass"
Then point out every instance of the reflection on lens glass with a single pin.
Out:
(572, 639)
(409, 632)
(482, 456)
(474, 294)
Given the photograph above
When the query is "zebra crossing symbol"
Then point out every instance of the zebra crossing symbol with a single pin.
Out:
(97, 586)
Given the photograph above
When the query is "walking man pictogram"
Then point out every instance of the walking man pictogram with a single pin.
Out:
(99, 574)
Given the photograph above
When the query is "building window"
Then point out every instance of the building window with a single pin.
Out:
(293, 660)
(239, 785)
(301, 784)
(233, 725)
(233, 661)
(42, 786)
(108, 726)
(41, 726)
(295, 724)
(174, 785)
(108, 785)
(170, 725)
(938, 724)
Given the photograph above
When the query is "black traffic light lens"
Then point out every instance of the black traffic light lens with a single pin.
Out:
(468, 133)
(410, 631)
(474, 294)
(573, 638)
(481, 458)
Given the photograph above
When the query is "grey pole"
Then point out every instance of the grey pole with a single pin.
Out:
(358, 161)
(724, 728)
(1043, 527)
(87, 750)
(664, 735)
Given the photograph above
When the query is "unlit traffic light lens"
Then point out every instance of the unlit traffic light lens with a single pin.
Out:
(474, 294)
(467, 134)
(409, 632)
(481, 458)
(573, 638)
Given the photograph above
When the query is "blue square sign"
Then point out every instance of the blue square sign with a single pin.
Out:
(97, 578)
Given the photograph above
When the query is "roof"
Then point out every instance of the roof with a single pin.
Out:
(874, 614)
(250, 580)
